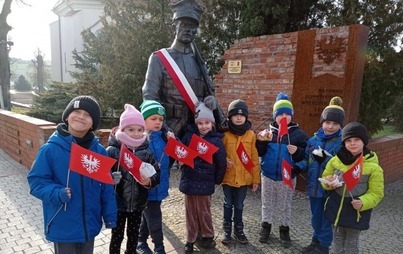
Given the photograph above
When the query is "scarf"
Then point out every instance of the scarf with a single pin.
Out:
(83, 142)
(129, 141)
(347, 158)
(239, 129)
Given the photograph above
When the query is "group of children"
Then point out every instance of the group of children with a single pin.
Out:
(338, 214)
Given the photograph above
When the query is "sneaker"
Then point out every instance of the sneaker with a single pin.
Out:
(226, 238)
(240, 237)
(159, 250)
(142, 248)
(188, 248)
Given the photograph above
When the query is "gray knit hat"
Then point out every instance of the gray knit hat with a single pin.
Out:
(238, 107)
(204, 110)
(87, 103)
(334, 112)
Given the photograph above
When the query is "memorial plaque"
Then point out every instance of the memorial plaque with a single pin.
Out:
(234, 66)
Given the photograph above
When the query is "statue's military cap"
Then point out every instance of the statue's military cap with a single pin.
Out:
(187, 9)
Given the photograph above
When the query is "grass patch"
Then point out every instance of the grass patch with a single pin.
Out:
(387, 130)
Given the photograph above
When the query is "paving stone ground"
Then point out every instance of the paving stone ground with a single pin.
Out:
(21, 221)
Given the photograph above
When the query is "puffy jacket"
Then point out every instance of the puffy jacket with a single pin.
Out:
(130, 195)
(338, 207)
(157, 146)
(272, 153)
(314, 169)
(91, 201)
(201, 179)
(238, 176)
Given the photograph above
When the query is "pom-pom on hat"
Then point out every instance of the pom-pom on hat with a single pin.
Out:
(187, 9)
(334, 112)
(131, 116)
(87, 103)
(355, 129)
(238, 107)
(204, 110)
(282, 105)
(151, 107)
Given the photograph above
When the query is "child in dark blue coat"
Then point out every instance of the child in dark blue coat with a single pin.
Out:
(198, 183)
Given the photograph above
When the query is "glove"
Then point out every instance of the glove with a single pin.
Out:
(319, 158)
(116, 177)
(295, 170)
(63, 196)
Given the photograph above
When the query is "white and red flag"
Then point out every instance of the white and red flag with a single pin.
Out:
(245, 158)
(91, 164)
(130, 162)
(352, 176)
(282, 129)
(286, 173)
(203, 147)
(180, 152)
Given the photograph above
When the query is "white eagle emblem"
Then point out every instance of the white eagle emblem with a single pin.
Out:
(128, 160)
(202, 148)
(180, 152)
(244, 158)
(90, 163)
(285, 174)
(357, 171)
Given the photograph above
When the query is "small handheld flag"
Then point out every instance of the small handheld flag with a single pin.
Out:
(244, 158)
(283, 128)
(286, 173)
(180, 152)
(352, 176)
(203, 147)
(130, 162)
(91, 164)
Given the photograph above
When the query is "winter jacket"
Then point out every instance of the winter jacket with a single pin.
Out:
(130, 195)
(157, 145)
(338, 207)
(91, 201)
(331, 144)
(201, 179)
(272, 153)
(238, 176)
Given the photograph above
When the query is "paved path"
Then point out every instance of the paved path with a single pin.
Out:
(21, 226)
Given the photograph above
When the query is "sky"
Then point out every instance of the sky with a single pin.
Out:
(31, 29)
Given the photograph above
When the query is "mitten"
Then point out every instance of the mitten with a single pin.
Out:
(64, 198)
(321, 157)
(295, 170)
(116, 177)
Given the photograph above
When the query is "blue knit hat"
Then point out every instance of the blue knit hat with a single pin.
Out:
(282, 105)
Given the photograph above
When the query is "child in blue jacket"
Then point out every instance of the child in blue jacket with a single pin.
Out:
(320, 149)
(72, 218)
(273, 149)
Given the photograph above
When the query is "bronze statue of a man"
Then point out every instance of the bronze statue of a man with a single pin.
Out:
(159, 84)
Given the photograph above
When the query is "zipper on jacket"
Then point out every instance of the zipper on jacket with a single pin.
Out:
(83, 210)
(278, 160)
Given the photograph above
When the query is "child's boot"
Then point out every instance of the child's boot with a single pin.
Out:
(188, 248)
(319, 249)
(226, 236)
(311, 246)
(285, 236)
(239, 234)
(264, 232)
(142, 248)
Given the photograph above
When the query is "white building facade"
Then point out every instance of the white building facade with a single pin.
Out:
(74, 17)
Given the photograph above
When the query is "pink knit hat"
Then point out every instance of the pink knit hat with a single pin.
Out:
(131, 116)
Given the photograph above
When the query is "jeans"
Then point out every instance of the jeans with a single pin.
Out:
(151, 224)
(233, 200)
(75, 248)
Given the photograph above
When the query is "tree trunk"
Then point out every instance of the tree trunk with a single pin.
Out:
(4, 60)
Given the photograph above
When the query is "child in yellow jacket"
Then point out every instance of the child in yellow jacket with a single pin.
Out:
(237, 178)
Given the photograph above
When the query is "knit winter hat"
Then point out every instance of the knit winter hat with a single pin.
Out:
(204, 110)
(238, 107)
(131, 116)
(334, 112)
(87, 103)
(355, 129)
(282, 105)
(151, 107)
